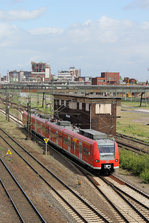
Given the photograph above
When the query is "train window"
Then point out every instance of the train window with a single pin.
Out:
(46, 130)
(60, 137)
(69, 141)
(53, 135)
(80, 148)
(84, 150)
(40, 126)
(66, 141)
(87, 152)
(72, 144)
(77, 147)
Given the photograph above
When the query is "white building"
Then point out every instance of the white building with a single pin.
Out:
(69, 75)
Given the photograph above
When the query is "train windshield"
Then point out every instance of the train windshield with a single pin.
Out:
(107, 152)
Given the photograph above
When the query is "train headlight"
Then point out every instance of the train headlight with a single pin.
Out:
(116, 160)
(97, 161)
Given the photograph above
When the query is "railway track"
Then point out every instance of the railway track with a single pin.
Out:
(7, 206)
(81, 209)
(121, 195)
(25, 209)
(133, 144)
(132, 139)
(12, 117)
(136, 200)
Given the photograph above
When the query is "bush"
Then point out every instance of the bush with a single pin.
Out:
(137, 164)
(145, 176)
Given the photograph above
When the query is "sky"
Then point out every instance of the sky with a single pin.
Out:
(94, 36)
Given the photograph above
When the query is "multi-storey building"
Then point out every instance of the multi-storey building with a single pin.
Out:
(41, 72)
(18, 76)
(69, 75)
(107, 78)
(13, 76)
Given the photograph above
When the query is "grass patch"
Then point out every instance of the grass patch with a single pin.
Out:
(133, 123)
(137, 164)
(1, 148)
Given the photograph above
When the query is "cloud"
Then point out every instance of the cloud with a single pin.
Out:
(21, 14)
(6, 31)
(105, 30)
(144, 4)
(46, 30)
(106, 44)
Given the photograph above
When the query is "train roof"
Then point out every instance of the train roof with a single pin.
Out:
(93, 134)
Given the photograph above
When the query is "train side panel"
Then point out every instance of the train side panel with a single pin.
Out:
(33, 120)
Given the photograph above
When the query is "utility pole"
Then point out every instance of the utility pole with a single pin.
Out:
(141, 98)
(37, 100)
(43, 100)
(7, 107)
(29, 118)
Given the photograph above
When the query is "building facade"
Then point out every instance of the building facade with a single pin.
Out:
(107, 78)
(95, 112)
(41, 72)
(69, 75)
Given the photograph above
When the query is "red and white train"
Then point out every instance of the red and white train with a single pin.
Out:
(90, 147)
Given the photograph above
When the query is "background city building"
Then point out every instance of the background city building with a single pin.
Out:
(41, 72)
(107, 78)
(69, 75)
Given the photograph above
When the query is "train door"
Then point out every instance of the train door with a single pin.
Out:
(77, 146)
(87, 154)
(65, 142)
(80, 150)
(49, 133)
(46, 130)
(60, 139)
(43, 133)
(56, 137)
(35, 125)
(53, 135)
(69, 143)
(72, 146)
(39, 127)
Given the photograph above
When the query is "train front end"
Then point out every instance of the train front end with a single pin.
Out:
(108, 155)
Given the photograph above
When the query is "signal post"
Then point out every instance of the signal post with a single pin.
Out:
(46, 146)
